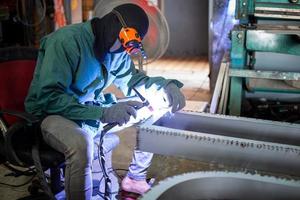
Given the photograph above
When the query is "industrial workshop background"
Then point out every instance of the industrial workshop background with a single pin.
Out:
(23, 22)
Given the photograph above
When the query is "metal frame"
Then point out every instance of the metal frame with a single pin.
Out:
(239, 58)
(247, 38)
(282, 9)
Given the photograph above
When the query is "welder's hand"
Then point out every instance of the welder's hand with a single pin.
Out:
(120, 113)
(175, 97)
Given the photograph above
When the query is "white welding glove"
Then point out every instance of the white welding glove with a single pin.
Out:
(120, 113)
(175, 97)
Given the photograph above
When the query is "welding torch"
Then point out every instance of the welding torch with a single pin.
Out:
(145, 102)
(143, 99)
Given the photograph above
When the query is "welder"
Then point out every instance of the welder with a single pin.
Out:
(75, 64)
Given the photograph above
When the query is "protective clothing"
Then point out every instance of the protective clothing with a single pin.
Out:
(106, 29)
(67, 75)
(175, 97)
(120, 113)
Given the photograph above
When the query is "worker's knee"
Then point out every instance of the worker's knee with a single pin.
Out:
(67, 137)
(58, 126)
(82, 149)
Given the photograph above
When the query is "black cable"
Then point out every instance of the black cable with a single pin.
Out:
(101, 159)
(110, 170)
(97, 172)
(104, 194)
(121, 169)
(16, 172)
(105, 172)
(120, 176)
(18, 185)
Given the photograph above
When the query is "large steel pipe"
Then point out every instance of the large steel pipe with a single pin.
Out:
(224, 185)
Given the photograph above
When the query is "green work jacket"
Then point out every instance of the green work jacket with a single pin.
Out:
(67, 75)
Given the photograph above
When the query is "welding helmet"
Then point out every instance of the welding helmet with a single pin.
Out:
(154, 43)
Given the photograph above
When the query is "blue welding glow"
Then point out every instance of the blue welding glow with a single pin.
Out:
(223, 21)
(231, 7)
(158, 98)
(231, 11)
(155, 95)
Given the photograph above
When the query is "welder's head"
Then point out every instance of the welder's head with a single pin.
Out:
(134, 25)
(125, 23)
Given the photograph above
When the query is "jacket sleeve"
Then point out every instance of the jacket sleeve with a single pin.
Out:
(59, 62)
(129, 77)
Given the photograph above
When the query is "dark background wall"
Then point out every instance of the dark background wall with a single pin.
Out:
(188, 22)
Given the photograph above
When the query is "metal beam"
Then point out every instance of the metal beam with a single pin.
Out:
(275, 75)
(234, 141)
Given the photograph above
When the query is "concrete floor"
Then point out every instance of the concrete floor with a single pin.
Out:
(194, 74)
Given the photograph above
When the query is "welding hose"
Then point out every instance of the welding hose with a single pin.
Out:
(101, 158)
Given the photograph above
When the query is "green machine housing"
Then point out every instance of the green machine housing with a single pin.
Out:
(265, 55)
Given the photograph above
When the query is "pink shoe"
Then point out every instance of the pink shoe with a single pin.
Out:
(134, 186)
